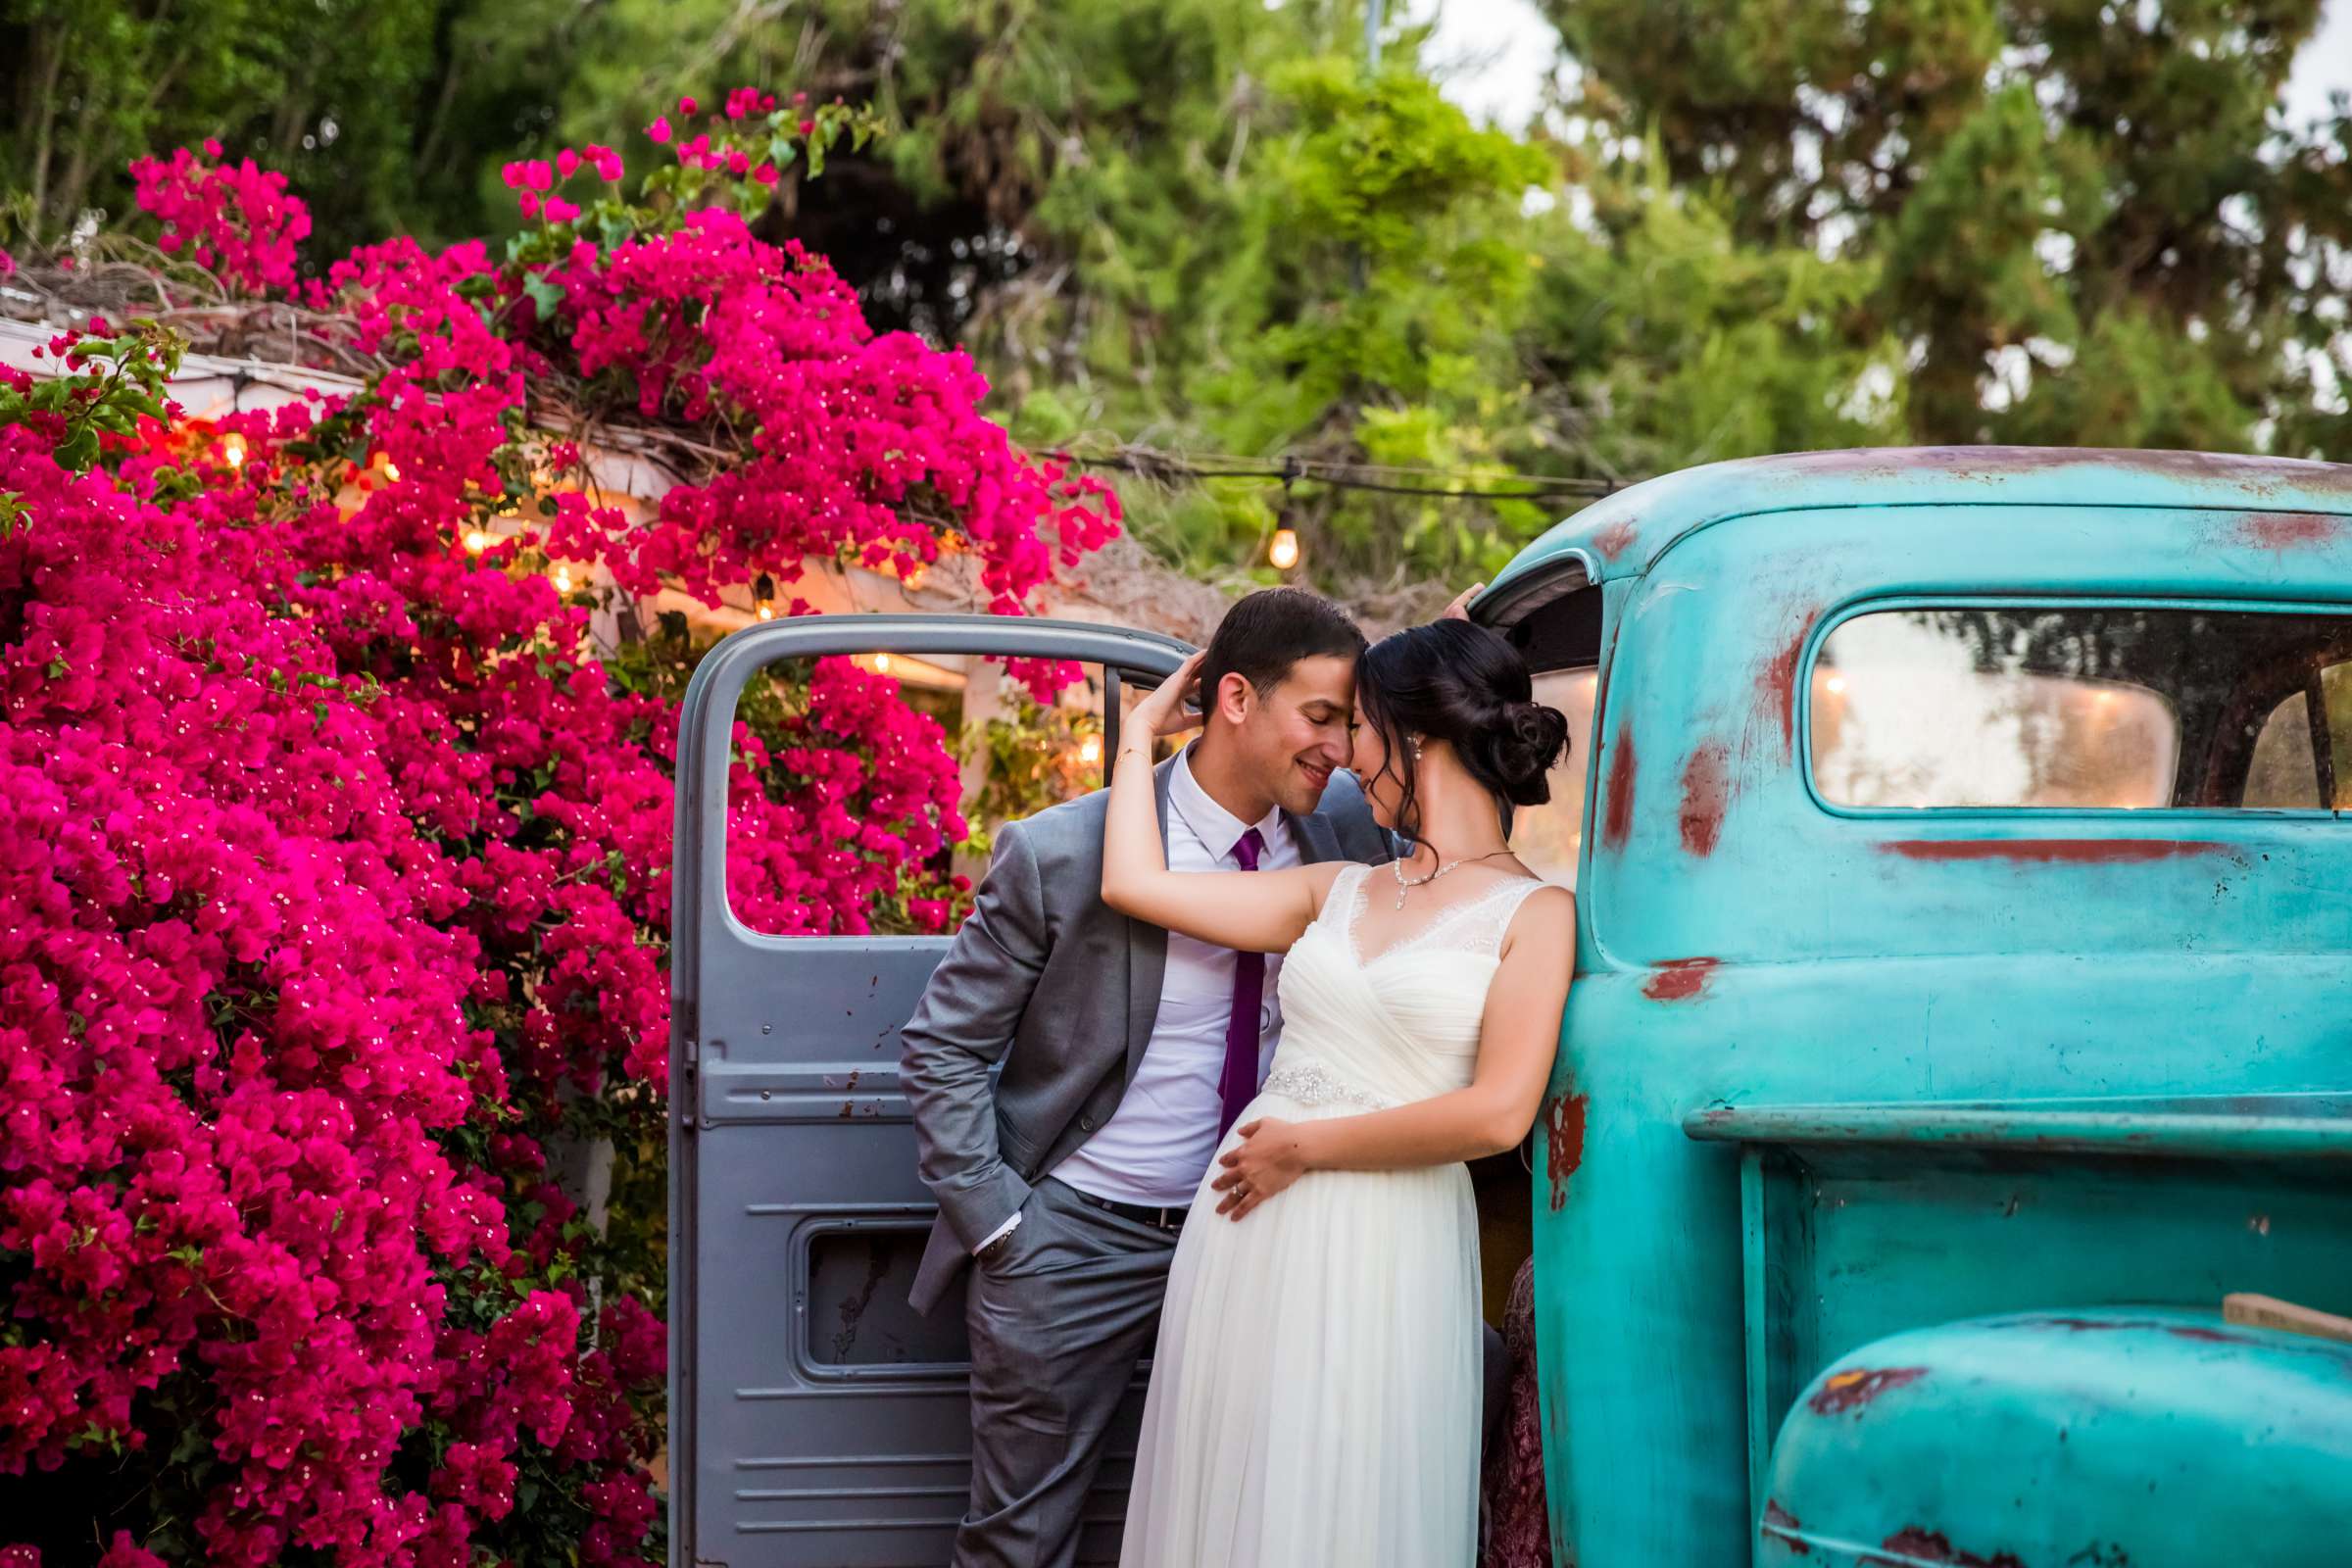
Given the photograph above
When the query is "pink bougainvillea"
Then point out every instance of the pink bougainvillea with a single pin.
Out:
(333, 863)
(236, 222)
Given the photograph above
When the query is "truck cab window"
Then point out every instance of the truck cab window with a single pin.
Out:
(2083, 707)
(2303, 755)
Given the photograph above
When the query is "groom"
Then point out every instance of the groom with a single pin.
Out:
(1124, 1052)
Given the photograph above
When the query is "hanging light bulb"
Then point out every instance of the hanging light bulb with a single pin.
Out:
(763, 596)
(1090, 750)
(476, 541)
(881, 664)
(1282, 553)
(392, 471)
(232, 448)
(563, 579)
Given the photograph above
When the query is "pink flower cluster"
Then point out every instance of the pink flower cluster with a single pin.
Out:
(333, 865)
(782, 135)
(238, 222)
(535, 179)
(848, 428)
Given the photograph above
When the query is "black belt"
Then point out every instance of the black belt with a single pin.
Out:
(1165, 1219)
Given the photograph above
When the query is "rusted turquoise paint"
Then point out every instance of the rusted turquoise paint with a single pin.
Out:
(2098, 1438)
(1832, 1077)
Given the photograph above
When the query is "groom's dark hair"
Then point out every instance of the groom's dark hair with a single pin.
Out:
(1264, 634)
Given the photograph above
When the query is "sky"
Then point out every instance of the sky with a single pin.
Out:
(1494, 54)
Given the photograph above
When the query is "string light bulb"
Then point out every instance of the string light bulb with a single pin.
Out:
(763, 596)
(232, 448)
(1090, 750)
(881, 664)
(563, 579)
(392, 471)
(476, 541)
(1282, 553)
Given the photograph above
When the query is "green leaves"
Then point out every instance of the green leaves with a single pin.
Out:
(112, 384)
(2049, 197)
(545, 296)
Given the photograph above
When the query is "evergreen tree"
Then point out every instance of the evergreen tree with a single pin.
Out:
(2091, 222)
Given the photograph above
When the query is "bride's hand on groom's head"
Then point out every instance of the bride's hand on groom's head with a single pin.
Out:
(1267, 1159)
(1162, 711)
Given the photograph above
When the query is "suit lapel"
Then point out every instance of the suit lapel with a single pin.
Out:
(1146, 950)
(1317, 839)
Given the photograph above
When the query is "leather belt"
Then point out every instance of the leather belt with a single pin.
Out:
(1165, 1219)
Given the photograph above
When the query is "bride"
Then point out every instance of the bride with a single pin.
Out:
(1314, 1399)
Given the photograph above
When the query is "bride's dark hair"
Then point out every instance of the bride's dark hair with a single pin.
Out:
(1457, 682)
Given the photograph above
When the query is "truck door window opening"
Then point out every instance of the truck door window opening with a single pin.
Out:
(1560, 639)
(2083, 707)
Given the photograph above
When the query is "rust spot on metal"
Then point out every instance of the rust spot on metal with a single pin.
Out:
(849, 1109)
(2261, 475)
(1613, 540)
(1617, 822)
(2053, 851)
(1917, 1545)
(1564, 1142)
(1680, 979)
(2190, 1330)
(1706, 795)
(1852, 1390)
(2110, 1325)
(1775, 704)
(1776, 689)
(2087, 1325)
(1783, 1526)
(2281, 531)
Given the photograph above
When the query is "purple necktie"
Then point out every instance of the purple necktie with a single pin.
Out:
(1238, 1085)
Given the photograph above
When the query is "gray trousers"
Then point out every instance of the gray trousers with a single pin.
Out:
(1057, 1322)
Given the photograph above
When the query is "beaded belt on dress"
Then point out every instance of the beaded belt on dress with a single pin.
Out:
(1310, 1083)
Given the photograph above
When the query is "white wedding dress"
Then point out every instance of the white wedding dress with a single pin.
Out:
(1315, 1394)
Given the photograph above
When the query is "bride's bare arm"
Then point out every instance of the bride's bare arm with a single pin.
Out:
(1518, 1034)
(1252, 911)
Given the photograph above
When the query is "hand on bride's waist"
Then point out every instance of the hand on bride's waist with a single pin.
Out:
(1271, 1154)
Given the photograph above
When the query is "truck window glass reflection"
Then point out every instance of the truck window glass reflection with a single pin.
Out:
(2075, 708)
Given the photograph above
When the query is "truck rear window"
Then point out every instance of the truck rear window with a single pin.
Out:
(2084, 706)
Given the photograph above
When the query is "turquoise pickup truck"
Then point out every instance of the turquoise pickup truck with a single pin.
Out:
(1963, 1016)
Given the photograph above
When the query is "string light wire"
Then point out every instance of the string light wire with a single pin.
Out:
(1151, 462)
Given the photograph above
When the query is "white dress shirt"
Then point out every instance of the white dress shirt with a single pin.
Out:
(1158, 1144)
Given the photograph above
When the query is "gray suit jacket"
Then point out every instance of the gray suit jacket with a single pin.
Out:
(1062, 991)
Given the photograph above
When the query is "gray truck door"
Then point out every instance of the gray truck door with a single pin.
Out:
(814, 1417)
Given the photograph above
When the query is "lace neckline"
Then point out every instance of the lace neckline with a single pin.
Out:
(1487, 944)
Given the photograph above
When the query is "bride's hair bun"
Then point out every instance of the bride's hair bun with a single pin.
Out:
(1455, 681)
(1521, 744)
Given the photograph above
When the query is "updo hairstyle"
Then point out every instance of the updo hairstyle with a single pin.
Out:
(1457, 682)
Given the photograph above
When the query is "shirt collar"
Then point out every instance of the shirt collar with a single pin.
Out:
(1216, 827)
